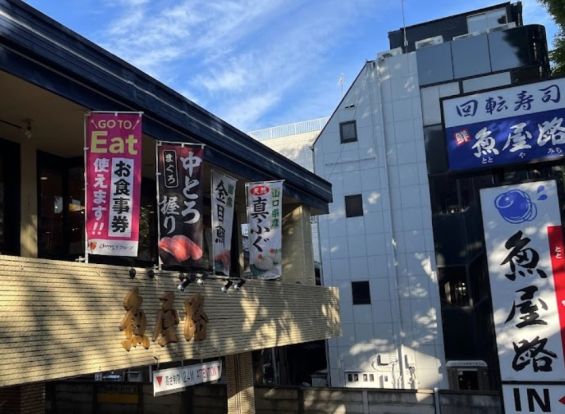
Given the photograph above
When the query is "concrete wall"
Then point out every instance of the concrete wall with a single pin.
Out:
(294, 400)
(212, 399)
(297, 261)
(369, 401)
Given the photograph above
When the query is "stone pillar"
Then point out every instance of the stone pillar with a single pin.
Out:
(28, 200)
(241, 394)
(298, 252)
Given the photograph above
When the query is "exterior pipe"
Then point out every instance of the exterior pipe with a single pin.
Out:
(436, 401)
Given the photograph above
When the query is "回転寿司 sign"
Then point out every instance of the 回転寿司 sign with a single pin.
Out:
(513, 125)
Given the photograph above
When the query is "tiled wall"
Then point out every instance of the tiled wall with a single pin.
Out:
(391, 245)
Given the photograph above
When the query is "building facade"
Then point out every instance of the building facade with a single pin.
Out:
(61, 316)
(403, 238)
(295, 141)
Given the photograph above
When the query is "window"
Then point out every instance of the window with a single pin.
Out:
(359, 378)
(361, 293)
(348, 132)
(482, 22)
(9, 198)
(353, 205)
(453, 280)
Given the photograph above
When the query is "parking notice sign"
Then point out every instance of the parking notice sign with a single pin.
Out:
(171, 380)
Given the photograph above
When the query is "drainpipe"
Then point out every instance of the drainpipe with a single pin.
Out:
(436, 401)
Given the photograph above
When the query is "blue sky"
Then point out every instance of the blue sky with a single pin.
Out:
(255, 63)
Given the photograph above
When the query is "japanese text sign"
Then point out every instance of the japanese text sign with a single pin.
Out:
(264, 214)
(179, 168)
(113, 182)
(171, 380)
(506, 126)
(524, 243)
(223, 198)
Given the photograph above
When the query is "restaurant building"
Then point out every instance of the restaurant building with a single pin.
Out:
(60, 316)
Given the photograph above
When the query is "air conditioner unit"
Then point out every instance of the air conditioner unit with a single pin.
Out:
(436, 40)
(389, 53)
(135, 376)
(502, 27)
(465, 36)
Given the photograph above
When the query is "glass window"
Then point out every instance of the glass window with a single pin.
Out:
(436, 153)
(467, 379)
(348, 131)
(353, 205)
(60, 207)
(510, 49)
(455, 289)
(434, 64)
(9, 198)
(75, 211)
(51, 243)
(470, 56)
(482, 22)
(361, 293)
(2, 202)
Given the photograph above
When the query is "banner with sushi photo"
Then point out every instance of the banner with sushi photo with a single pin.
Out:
(222, 202)
(264, 215)
(179, 170)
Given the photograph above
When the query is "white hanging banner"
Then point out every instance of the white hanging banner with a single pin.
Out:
(223, 198)
(264, 214)
(171, 380)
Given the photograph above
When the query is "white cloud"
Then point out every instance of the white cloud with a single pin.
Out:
(245, 113)
(249, 84)
(241, 58)
(234, 75)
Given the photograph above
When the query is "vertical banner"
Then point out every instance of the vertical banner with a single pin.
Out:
(179, 169)
(223, 198)
(524, 243)
(264, 211)
(113, 182)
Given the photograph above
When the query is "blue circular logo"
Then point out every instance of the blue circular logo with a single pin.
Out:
(515, 206)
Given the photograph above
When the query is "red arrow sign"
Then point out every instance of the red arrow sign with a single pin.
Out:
(562, 400)
(159, 379)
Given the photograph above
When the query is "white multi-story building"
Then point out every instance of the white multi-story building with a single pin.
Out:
(405, 255)
(377, 241)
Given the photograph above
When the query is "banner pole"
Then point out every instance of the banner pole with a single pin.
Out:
(157, 176)
(213, 255)
(85, 149)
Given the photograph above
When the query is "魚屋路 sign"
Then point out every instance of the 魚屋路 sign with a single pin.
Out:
(513, 125)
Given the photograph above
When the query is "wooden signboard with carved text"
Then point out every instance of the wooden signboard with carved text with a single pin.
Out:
(61, 319)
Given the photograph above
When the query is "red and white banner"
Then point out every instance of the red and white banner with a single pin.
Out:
(179, 170)
(113, 182)
(264, 214)
(524, 242)
(223, 203)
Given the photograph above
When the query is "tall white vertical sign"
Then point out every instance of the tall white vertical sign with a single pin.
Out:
(222, 195)
(264, 213)
(526, 262)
